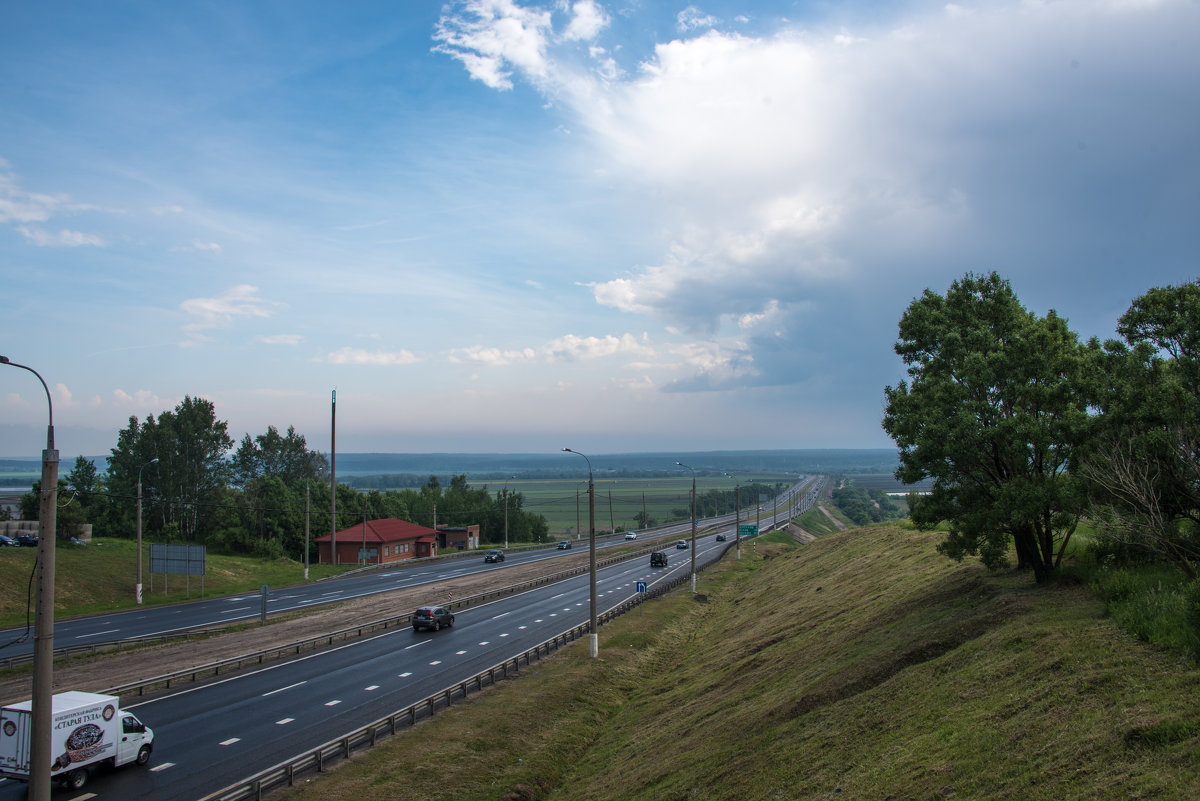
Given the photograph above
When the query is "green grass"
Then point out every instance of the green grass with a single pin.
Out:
(101, 577)
(564, 502)
(863, 665)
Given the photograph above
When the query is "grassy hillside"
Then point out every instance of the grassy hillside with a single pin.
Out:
(101, 577)
(863, 665)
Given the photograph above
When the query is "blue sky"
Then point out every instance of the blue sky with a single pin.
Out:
(500, 226)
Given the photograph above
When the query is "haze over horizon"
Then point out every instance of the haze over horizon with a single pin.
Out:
(498, 226)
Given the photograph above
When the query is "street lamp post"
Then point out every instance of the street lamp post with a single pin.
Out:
(595, 635)
(138, 587)
(681, 464)
(40, 754)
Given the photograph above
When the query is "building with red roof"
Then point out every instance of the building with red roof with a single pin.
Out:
(377, 542)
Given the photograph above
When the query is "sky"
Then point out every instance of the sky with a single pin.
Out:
(514, 227)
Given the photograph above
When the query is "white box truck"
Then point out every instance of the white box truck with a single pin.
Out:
(85, 729)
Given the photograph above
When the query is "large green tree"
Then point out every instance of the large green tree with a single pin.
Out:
(1145, 467)
(270, 455)
(994, 411)
(188, 480)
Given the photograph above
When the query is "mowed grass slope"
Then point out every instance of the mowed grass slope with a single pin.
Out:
(863, 665)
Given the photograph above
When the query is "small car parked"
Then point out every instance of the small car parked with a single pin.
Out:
(432, 617)
(28, 540)
(8, 542)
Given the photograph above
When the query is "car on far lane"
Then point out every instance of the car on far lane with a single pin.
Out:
(565, 545)
(432, 617)
(682, 545)
(494, 556)
(720, 538)
(631, 535)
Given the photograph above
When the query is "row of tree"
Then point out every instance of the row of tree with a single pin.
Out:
(256, 499)
(1024, 429)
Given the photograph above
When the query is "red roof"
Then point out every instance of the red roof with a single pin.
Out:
(388, 529)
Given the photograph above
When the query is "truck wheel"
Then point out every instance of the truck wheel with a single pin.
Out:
(76, 779)
(143, 755)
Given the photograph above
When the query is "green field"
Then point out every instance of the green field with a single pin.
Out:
(564, 502)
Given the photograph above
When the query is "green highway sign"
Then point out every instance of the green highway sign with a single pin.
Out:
(748, 530)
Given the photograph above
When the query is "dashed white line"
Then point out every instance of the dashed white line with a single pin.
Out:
(372, 688)
(96, 634)
(334, 702)
(405, 675)
(281, 689)
(436, 662)
(163, 766)
(230, 741)
(459, 653)
(284, 722)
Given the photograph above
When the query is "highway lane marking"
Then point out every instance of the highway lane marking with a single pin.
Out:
(459, 653)
(502, 614)
(372, 687)
(96, 634)
(505, 634)
(163, 766)
(284, 722)
(539, 620)
(281, 689)
(415, 644)
(405, 675)
(556, 597)
(522, 628)
(435, 662)
(230, 741)
(334, 702)
(265, 669)
(485, 642)
(230, 611)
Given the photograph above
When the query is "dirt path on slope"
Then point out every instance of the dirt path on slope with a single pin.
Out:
(94, 674)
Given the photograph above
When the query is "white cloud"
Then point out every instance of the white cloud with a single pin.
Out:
(806, 161)
(692, 18)
(220, 312)
(282, 339)
(62, 238)
(348, 355)
(568, 348)
(141, 400)
(587, 20)
(492, 34)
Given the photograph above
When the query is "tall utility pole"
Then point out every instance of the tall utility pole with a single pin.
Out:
(40, 754)
(138, 588)
(737, 515)
(306, 529)
(594, 634)
(333, 481)
(681, 464)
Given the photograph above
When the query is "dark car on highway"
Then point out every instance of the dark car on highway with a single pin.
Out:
(658, 559)
(494, 556)
(720, 538)
(432, 617)
(565, 545)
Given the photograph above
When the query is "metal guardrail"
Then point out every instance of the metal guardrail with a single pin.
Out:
(319, 758)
